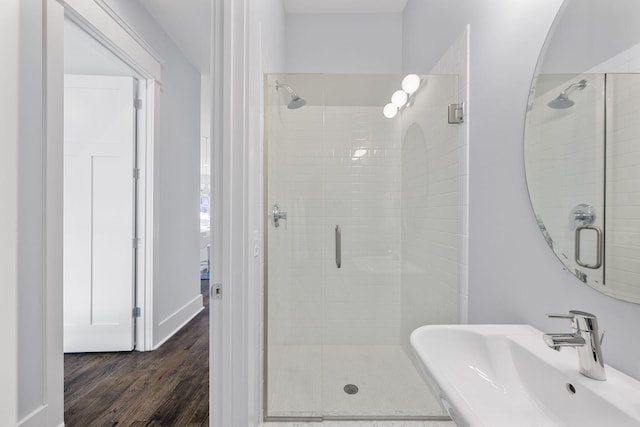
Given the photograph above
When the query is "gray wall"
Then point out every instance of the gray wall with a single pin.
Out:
(176, 279)
(343, 43)
(514, 277)
(589, 33)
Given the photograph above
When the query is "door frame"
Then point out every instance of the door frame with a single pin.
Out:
(104, 24)
(10, 134)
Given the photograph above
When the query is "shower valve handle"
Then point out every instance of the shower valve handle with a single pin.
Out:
(278, 215)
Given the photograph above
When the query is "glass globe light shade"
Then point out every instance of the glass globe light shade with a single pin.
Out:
(399, 98)
(410, 83)
(390, 111)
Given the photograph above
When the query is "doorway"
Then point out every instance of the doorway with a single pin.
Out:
(100, 180)
(173, 133)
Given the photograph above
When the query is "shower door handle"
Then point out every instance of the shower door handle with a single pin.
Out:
(338, 246)
(598, 231)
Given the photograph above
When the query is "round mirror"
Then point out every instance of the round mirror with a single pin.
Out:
(582, 143)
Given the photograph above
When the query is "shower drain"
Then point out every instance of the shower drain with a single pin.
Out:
(351, 389)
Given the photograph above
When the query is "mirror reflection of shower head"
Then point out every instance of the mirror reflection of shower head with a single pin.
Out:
(296, 101)
(563, 101)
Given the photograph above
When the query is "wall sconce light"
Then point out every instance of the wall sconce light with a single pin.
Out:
(400, 98)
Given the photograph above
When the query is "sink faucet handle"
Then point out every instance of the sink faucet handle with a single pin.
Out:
(586, 322)
(573, 314)
(560, 316)
(570, 316)
(580, 320)
(583, 314)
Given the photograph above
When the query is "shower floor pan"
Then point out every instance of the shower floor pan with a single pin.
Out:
(316, 381)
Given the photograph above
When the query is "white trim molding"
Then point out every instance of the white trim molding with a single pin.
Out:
(217, 389)
(37, 418)
(145, 215)
(102, 23)
(104, 4)
(9, 125)
(173, 323)
(53, 62)
(232, 400)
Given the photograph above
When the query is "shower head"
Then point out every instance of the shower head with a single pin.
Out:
(296, 101)
(563, 101)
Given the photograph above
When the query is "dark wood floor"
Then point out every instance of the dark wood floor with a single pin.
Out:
(165, 387)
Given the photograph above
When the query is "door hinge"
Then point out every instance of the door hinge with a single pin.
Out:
(456, 113)
(137, 173)
(137, 243)
(137, 312)
(137, 104)
(216, 291)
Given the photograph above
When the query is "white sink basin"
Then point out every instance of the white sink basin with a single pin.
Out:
(505, 375)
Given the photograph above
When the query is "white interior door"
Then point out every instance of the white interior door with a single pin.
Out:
(99, 146)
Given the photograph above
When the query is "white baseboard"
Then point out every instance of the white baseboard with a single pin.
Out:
(172, 324)
(37, 418)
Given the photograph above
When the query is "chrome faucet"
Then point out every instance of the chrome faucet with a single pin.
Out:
(586, 339)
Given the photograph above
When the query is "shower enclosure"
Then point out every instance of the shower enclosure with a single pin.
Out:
(363, 243)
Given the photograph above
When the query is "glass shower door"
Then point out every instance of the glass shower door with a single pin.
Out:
(343, 181)
(294, 256)
(366, 373)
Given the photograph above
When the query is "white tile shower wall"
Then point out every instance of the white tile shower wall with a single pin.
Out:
(622, 226)
(361, 190)
(435, 199)
(455, 61)
(564, 154)
(343, 173)
(294, 248)
(431, 154)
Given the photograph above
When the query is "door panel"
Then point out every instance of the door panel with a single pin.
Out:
(98, 213)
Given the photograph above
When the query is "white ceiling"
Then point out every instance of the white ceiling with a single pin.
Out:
(188, 23)
(344, 6)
